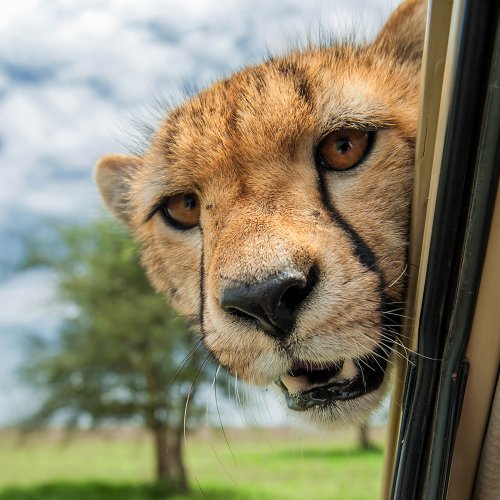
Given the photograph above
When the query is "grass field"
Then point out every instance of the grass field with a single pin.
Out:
(257, 464)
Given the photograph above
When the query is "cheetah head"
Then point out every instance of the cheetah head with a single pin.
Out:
(272, 208)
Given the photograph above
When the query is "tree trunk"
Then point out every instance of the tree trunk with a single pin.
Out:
(363, 436)
(163, 465)
(169, 457)
(178, 458)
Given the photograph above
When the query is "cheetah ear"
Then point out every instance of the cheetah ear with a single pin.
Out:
(402, 36)
(113, 174)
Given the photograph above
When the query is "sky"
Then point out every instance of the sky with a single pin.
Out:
(81, 78)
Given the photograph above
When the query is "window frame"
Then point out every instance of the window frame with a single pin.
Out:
(456, 180)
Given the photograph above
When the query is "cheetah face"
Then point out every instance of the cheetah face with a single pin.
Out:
(272, 209)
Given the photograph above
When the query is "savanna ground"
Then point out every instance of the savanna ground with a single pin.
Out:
(251, 464)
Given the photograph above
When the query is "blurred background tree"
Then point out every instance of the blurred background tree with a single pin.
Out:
(117, 355)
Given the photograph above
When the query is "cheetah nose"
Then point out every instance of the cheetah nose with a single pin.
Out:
(272, 303)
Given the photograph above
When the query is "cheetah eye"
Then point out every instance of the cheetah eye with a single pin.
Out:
(345, 148)
(181, 210)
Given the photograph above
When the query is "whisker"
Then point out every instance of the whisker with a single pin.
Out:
(212, 385)
(363, 373)
(394, 333)
(236, 390)
(372, 353)
(222, 465)
(186, 406)
(199, 487)
(191, 392)
(394, 282)
(218, 413)
(416, 353)
(184, 362)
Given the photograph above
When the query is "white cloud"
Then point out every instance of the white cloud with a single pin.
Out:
(68, 70)
(27, 300)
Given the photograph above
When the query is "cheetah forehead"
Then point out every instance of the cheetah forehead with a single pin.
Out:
(265, 113)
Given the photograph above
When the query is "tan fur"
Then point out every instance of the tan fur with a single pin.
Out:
(246, 147)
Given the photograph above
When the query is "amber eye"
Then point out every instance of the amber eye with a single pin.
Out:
(182, 210)
(342, 149)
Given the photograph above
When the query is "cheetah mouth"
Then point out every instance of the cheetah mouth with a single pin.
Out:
(307, 385)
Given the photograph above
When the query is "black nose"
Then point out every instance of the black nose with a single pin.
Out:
(273, 302)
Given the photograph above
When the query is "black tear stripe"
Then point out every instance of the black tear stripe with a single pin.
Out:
(362, 251)
(202, 287)
(390, 314)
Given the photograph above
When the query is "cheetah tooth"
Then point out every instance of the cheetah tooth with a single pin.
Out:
(295, 384)
(349, 370)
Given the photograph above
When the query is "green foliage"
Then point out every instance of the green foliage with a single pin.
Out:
(120, 347)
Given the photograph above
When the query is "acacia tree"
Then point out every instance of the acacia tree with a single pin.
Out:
(117, 355)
